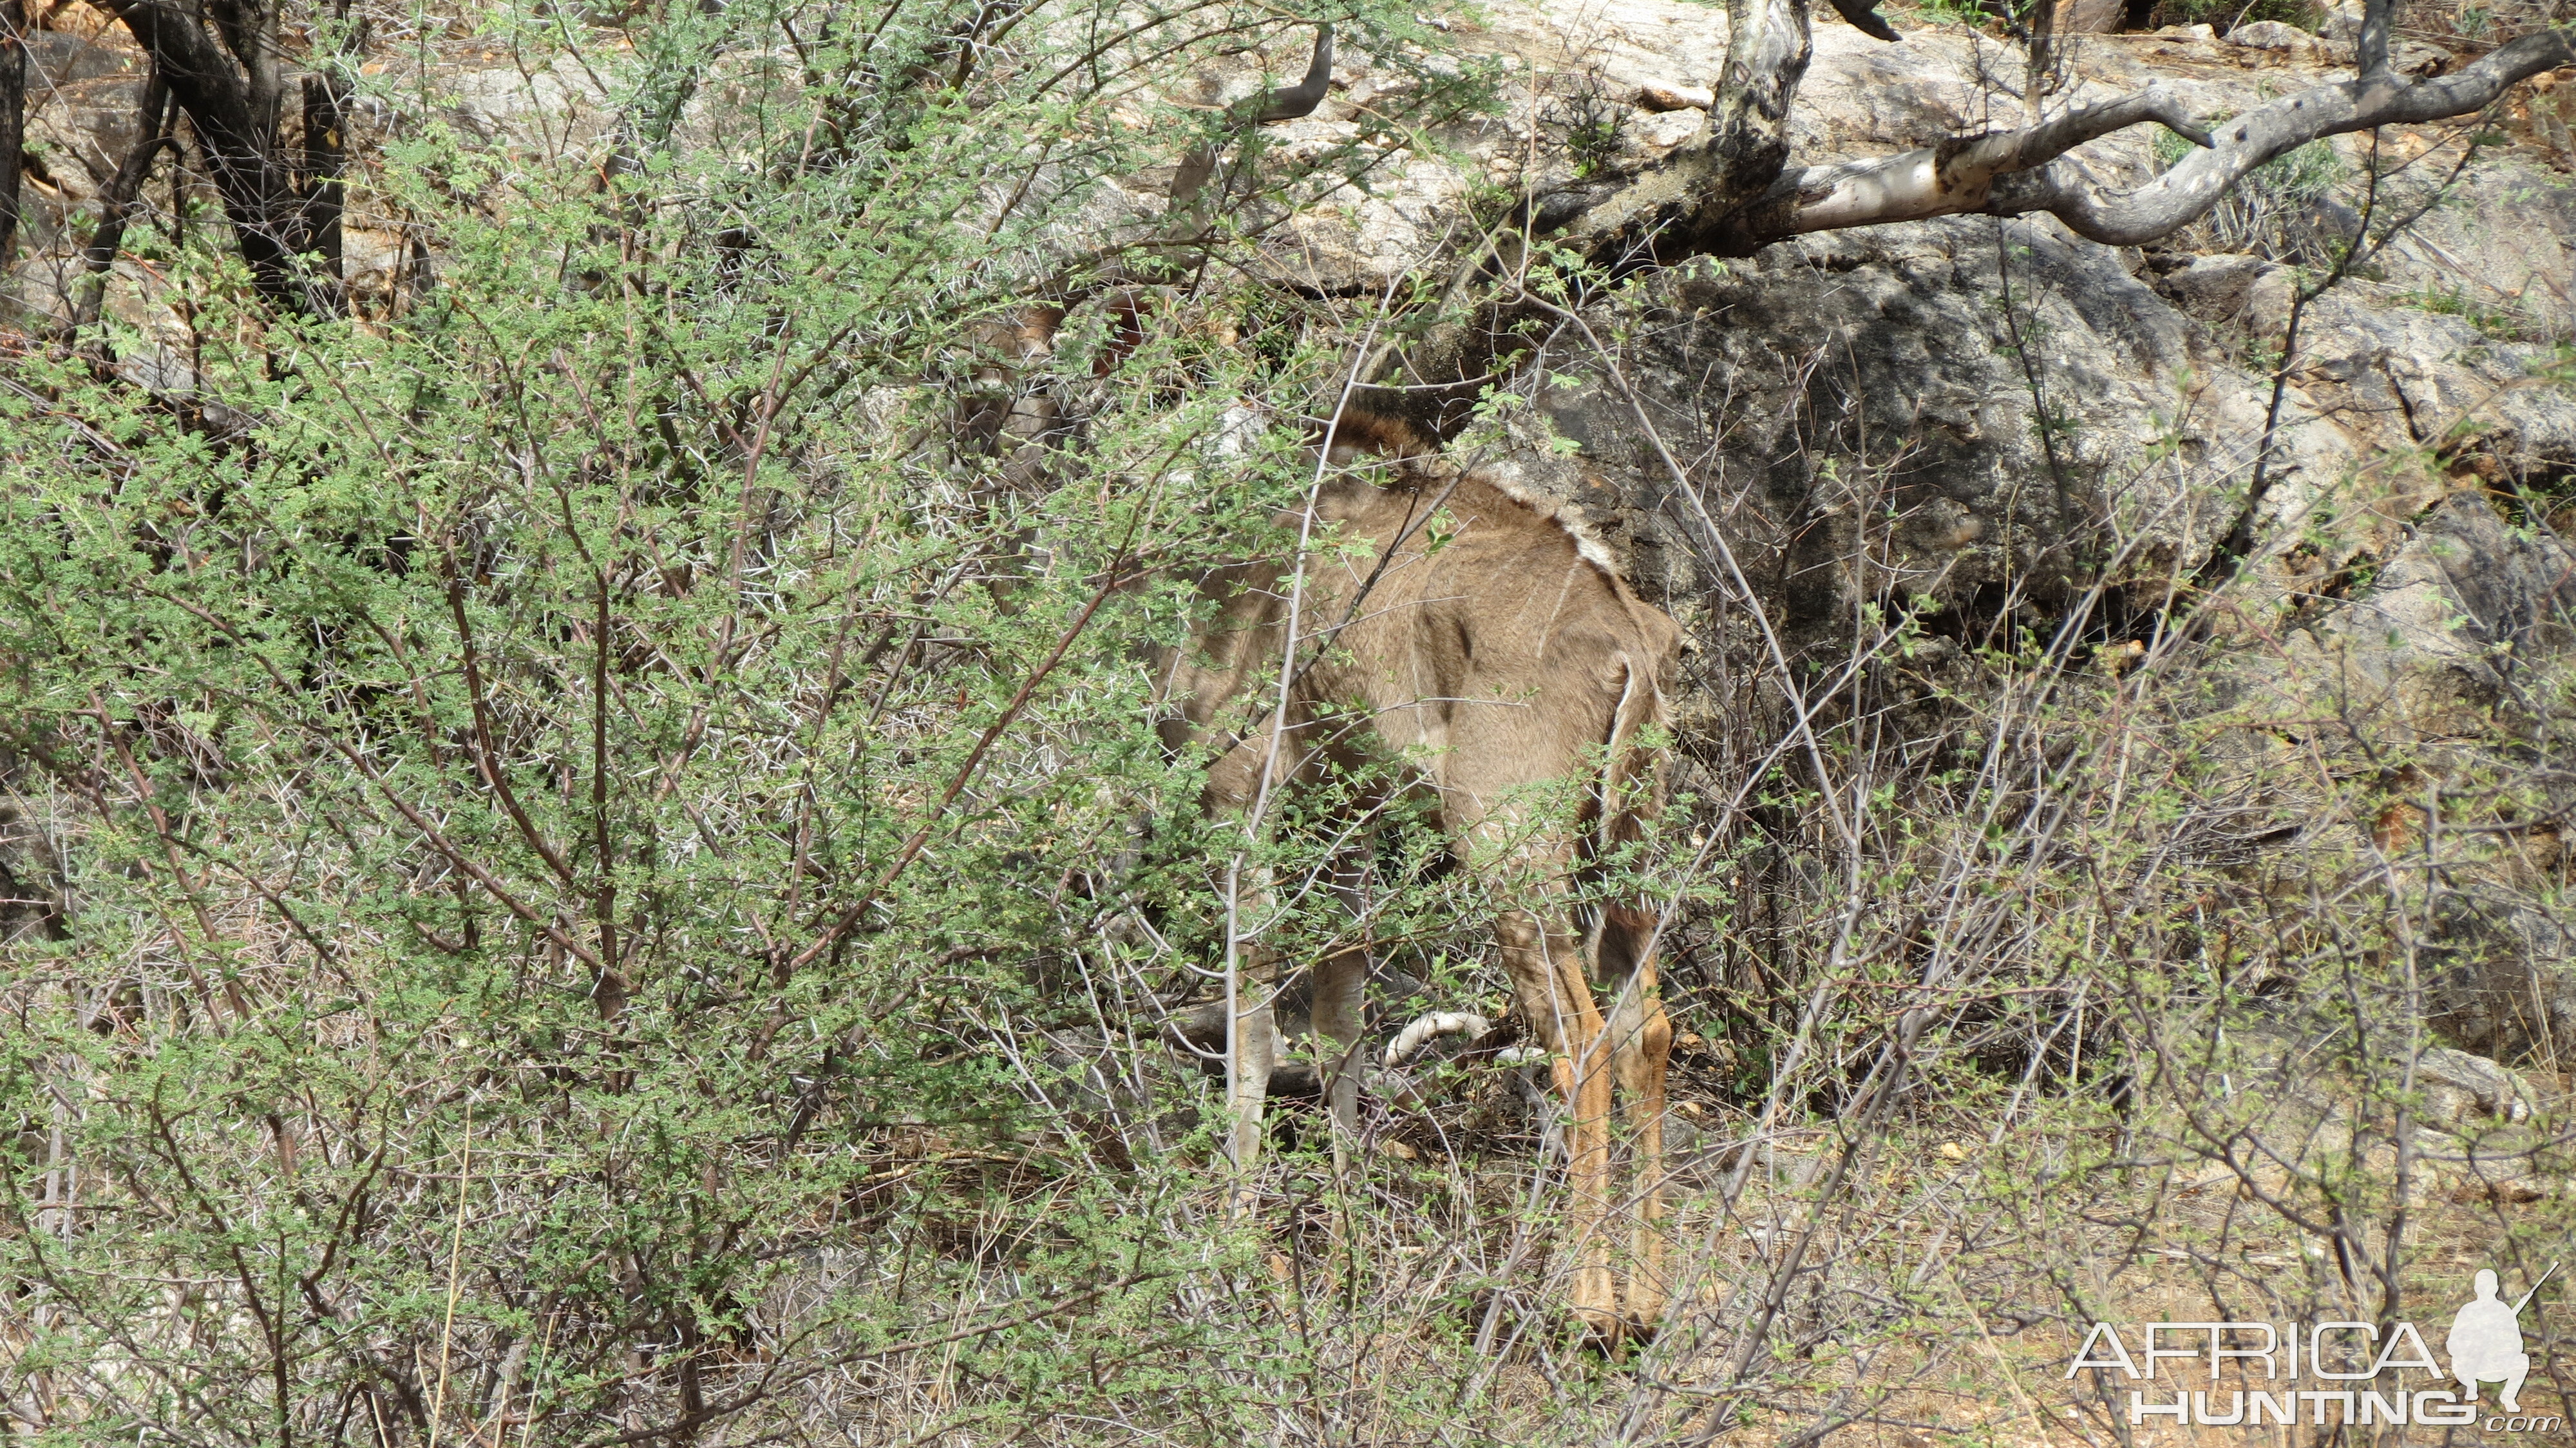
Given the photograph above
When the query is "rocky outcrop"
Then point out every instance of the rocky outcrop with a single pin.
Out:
(83, 99)
(1885, 364)
(1879, 373)
(2436, 643)
(2437, 685)
(1873, 394)
(2460, 1087)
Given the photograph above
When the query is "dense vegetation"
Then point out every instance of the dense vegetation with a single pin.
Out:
(589, 864)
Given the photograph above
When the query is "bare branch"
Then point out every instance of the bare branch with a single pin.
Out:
(13, 118)
(1768, 48)
(2185, 193)
(1696, 203)
(117, 201)
(226, 77)
(2371, 51)
(1737, 156)
(1955, 176)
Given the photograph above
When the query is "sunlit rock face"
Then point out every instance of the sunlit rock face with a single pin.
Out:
(1879, 394)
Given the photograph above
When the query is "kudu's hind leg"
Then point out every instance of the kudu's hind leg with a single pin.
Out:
(1548, 978)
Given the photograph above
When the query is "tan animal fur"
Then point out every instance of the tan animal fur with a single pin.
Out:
(1508, 656)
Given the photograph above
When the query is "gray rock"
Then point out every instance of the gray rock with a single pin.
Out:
(1925, 374)
(54, 59)
(78, 132)
(2403, 376)
(2215, 289)
(2461, 1088)
(1868, 381)
(2270, 35)
(553, 111)
(2506, 974)
(2093, 17)
(2445, 624)
(2423, 678)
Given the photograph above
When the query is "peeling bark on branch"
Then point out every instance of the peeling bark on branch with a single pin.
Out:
(1730, 193)
(1732, 163)
(2186, 193)
(1956, 176)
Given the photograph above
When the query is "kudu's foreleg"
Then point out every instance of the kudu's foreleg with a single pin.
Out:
(1547, 974)
(1251, 1032)
(1252, 1049)
(1340, 1018)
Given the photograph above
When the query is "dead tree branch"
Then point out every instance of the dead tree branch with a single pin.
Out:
(1731, 193)
(2185, 193)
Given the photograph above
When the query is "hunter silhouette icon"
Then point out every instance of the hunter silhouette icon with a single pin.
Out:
(2486, 1341)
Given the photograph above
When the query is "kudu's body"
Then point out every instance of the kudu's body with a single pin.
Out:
(1500, 661)
(1507, 666)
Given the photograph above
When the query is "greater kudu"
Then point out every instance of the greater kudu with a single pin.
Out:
(1494, 656)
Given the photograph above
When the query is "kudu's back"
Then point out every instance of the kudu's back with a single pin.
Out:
(1451, 625)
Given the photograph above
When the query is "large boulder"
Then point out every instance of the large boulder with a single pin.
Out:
(1866, 400)
(2457, 614)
